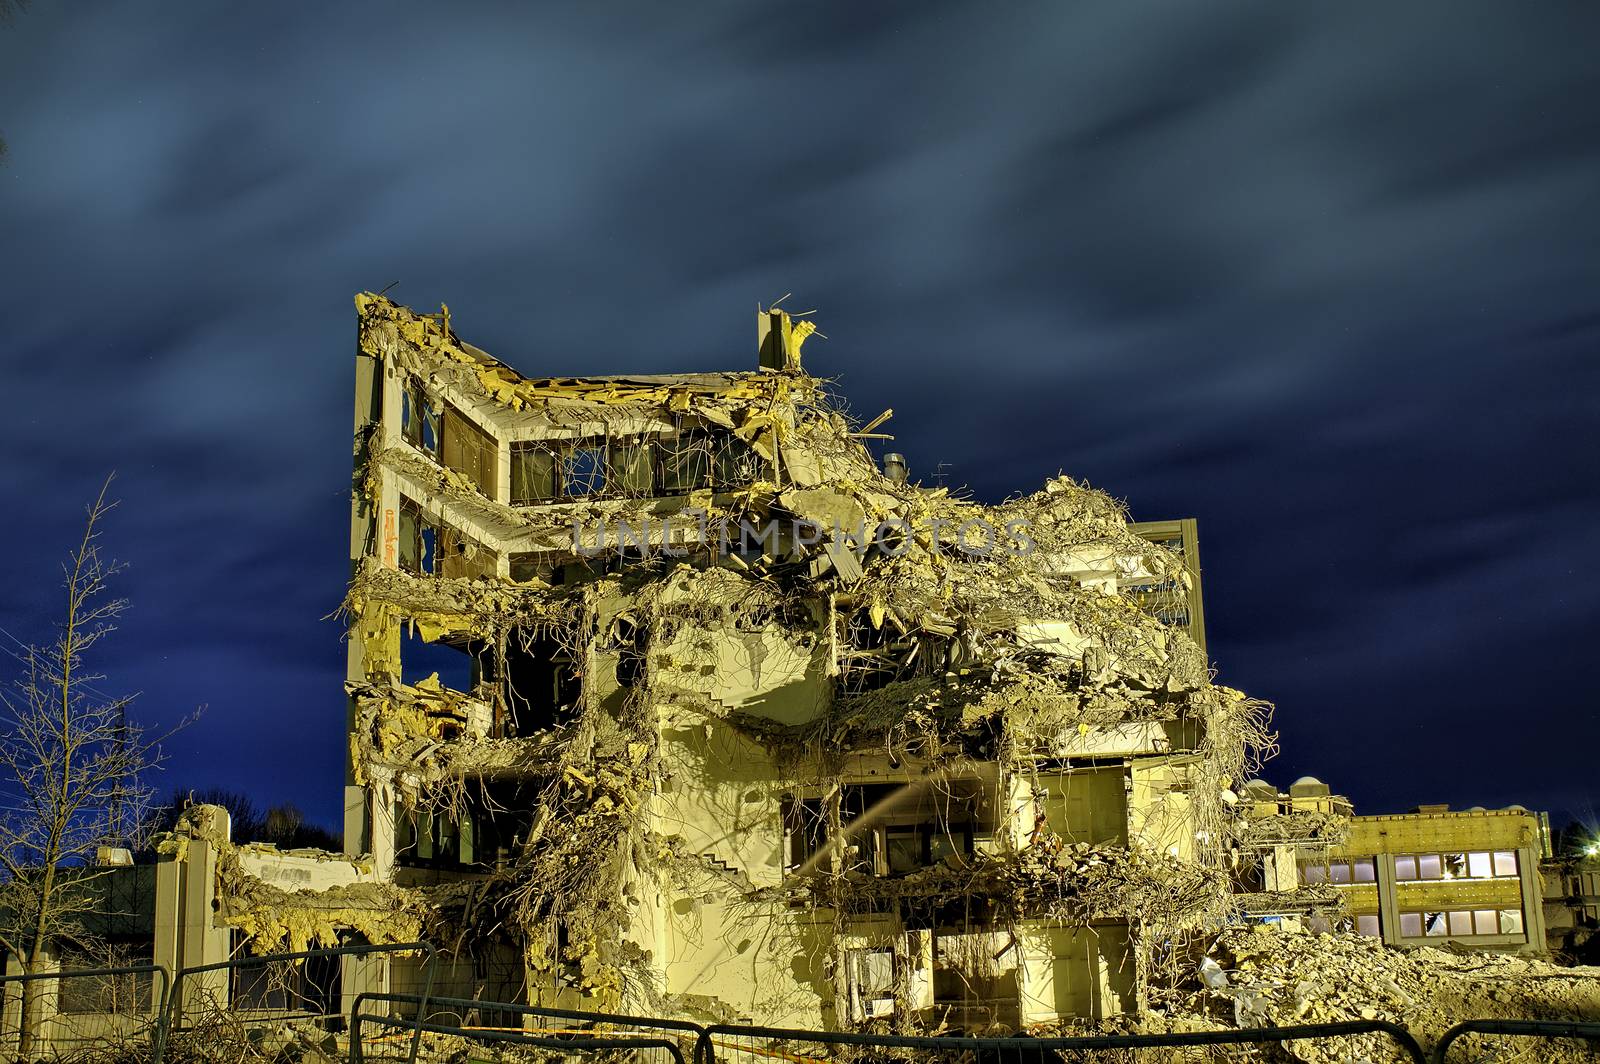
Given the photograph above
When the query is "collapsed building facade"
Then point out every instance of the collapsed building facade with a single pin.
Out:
(664, 695)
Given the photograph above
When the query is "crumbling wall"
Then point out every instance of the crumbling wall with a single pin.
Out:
(880, 625)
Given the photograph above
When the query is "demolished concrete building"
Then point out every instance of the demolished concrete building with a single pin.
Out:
(663, 695)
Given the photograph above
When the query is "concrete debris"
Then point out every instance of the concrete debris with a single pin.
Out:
(1271, 976)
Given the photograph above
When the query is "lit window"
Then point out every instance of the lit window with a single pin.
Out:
(1505, 864)
(1367, 924)
(1405, 867)
(1435, 925)
(1364, 870)
(1429, 866)
(1461, 922)
(1486, 922)
(1313, 873)
(1410, 925)
(1480, 866)
(1339, 872)
(1511, 921)
(1455, 866)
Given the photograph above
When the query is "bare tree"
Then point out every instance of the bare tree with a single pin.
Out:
(70, 771)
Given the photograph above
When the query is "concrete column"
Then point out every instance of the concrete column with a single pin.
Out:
(1532, 898)
(1388, 904)
(187, 934)
(380, 815)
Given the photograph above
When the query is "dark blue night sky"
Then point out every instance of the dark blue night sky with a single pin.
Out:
(1326, 278)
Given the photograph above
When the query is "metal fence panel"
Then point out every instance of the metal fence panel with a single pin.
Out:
(1589, 1032)
(87, 1009)
(566, 1033)
(736, 1044)
(222, 1021)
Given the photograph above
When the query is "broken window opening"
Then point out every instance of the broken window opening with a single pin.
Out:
(455, 661)
(974, 971)
(311, 985)
(626, 637)
(1461, 923)
(1500, 864)
(1340, 872)
(428, 839)
(632, 466)
(805, 823)
(488, 834)
(429, 547)
(880, 656)
(685, 463)
(870, 975)
(583, 469)
(738, 465)
(464, 558)
(892, 829)
(541, 685)
(419, 418)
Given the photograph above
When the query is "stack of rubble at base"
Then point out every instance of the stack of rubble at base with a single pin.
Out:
(1271, 977)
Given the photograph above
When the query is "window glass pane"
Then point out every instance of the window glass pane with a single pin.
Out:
(1486, 922)
(1434, 925)
(533, 474)
(1365, 870)
(1505, 863)
(1479, 866)
(737, 464)
(1455, 866)
(632, 467)
(1405, 867)
(470, 451)
(1461, 922)
(1429, 866)
(1367, 924)
(944, 844)
(1313, 873)
(1510, 921)
(1410, 925)
(903, 847)
(409, 540)
(1339, 872)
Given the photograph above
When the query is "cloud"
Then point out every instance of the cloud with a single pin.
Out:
(1322, 278)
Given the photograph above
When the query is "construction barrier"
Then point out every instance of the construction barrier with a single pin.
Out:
(87, 1008)
(565, 1031)
(1520, 1029)
(173, 1014)
(737, 1044)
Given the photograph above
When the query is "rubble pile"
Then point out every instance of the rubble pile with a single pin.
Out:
(1270, 976)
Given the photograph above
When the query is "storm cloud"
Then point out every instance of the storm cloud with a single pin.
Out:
(1324, 278)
